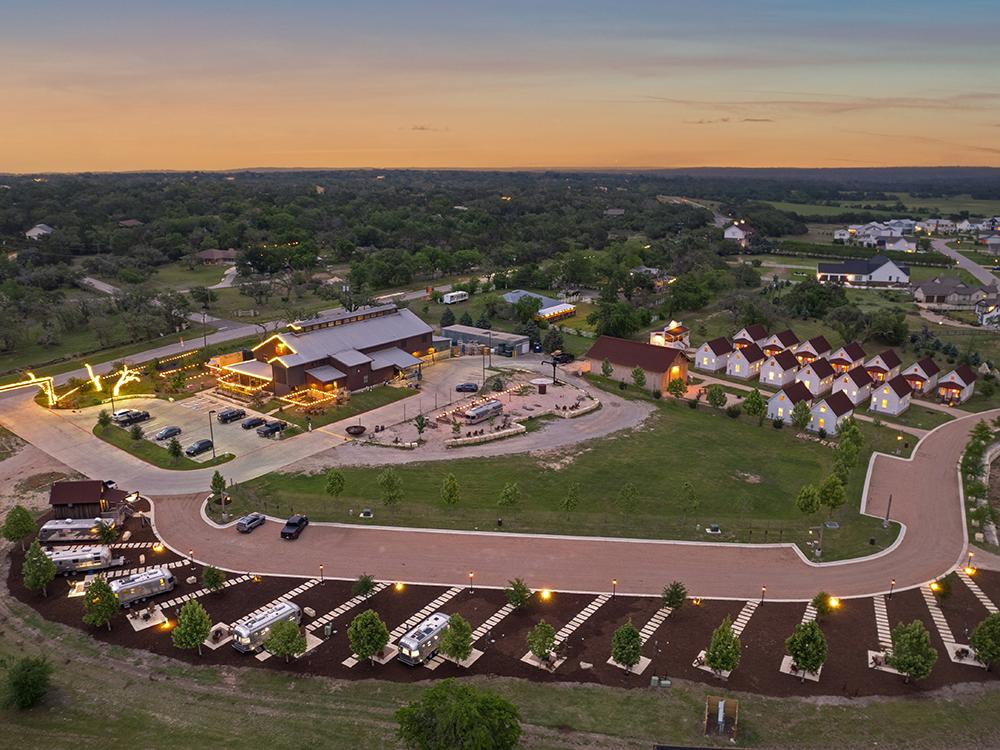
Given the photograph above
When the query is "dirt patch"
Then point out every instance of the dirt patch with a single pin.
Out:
(745, 476)
(26, 475)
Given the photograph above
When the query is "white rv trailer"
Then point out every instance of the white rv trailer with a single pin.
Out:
(452, 297)
(72, 530)
(140, 586)
(250, 635)
(421, 643)
(483, 411)
(79, 559)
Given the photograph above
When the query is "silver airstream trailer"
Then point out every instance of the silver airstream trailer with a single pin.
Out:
(421, 643)
(482, 412)
(140, 586)
(81, 559)
(249, 635)
(72, 530)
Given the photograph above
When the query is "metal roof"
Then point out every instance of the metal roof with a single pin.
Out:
(394, 357)
(325, 374)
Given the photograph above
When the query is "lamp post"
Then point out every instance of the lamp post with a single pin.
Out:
(321, 574)
(968, 562)
(204, 325)
(471, 574)
(614, 588)
(191, 557)
(885, 521)
(892, 585)
(211, 431)
(763, 593)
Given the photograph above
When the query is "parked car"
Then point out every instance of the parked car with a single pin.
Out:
(271, 428)
(167, 432)
(249, 424)
(133, 417)
(467, 388)
(198, 447)
(249, 522)
(230, 415)
(119, 415)
(293, 526)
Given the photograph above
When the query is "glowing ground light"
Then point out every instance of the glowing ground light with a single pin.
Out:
(935, 586)
(969, 570)
(167, 625)
(399, 586)
(158, 547)
(834, 602)
(545, 594)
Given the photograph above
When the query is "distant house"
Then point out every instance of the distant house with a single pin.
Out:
(877, 271)
(847, 357)
(738, 233)
(779, 369)
(950, 292)
(659, 277)
(816, 376)
(745, 362)
(39, 231)
(778, 342)
(549, 309)
(922, 375)
(89, 498)
(898, 244)
(217, 257)
(752, 334)
(892, 397)
(713, 355)
(829, 412)
(855, 383)
(957, 386)
(129, 223)
(673, 334)
(614, 212)
(812, 349)
(883, 366)
(660, 364)
(781, 404)
(842, 235)
(993, 244)
(988, 312)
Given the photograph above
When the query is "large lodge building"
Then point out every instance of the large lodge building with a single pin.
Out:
(347, 350)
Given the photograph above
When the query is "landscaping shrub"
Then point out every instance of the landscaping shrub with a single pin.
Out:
(657, 394)
(733, 411)
(822, 433)
(778, 423)
(692, 404)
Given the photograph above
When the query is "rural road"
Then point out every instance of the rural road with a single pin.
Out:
(982, 275)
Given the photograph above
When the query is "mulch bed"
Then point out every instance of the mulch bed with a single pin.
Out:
(989, 582)
(962, 610)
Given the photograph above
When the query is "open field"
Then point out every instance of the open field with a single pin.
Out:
(980, 257)
(920, 206)
(179, 276)
(744, 477)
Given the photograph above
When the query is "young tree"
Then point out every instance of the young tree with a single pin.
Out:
(135, 432)
(466, 319)
(38, 570)
(755, 406)
(447, 317)
(723, 652)
(510, 495)
(99, 603)
(552, 341)
(912, 652)
(285, 639)
(18, 525)
(628, 497)
(368, 635)
(453, 716)
(831, 493)
(193, 626)
(639, 377)
(807, 647)
(212, 578)
(716, 395)
(218, 485)
(821, 603)
(801, 415)
(572, 498)
(174, 449)
(674, 595)
(607, 369)
(808, 500)
(541, 640)
(363, 586)
(27, 682)
(456, 641)
(985, 640)
(677, 388)
(103, 419)
(626, 646)
(420, 422)
(517, 592)
(483, 321)
(335, 482)
(450, 494)
(391, 486)
(982, 432)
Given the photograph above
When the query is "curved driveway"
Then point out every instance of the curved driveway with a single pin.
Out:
(926, 500)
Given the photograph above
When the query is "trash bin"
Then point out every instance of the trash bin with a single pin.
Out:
(654, 681)
(542, 388)
(327, 629)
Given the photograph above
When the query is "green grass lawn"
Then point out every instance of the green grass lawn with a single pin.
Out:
(360, 403)
(981, 258)
(153, 453)
(952, 204)
(916, 416)
(925, 273)
(179, 276)
(746, 478)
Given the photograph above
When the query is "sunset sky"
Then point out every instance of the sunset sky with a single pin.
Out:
(215, 84)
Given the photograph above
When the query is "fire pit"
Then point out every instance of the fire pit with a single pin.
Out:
(355, 430)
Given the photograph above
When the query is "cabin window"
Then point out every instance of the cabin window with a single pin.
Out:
(822, 423)
(885, 403)
(770, 375)
(736, 368)
(822, 409)
(781, 412)
(704, 360)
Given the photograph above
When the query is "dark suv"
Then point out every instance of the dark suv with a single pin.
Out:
(133, 417)
(230, 415)
(271, 428)
(293, 527)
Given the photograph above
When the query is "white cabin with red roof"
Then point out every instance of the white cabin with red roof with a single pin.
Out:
(891, 397)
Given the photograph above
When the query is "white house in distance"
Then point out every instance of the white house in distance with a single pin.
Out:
(855, 383)
(892, 397)
(877, 271)
(958, 385)
(780, 405)
(38, 231)
(739, 233)
(713, 355)
(745, 362)
(922, 375)
(829, 412)
(778, 342)
(673, 334)
(883, 366)
(751, 334)
(847, 357)
(817, 376)
(779, 369)
(812, 349)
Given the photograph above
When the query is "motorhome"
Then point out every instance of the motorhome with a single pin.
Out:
(250, 635)
(140, 586)
(72, 530)
(452, 297)
(81, 559)
(421, 643)
(483, 411)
